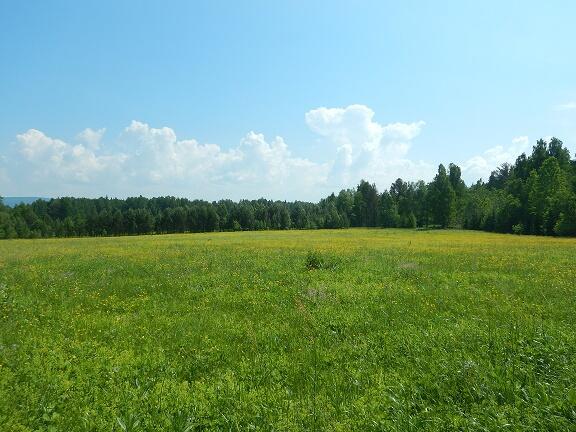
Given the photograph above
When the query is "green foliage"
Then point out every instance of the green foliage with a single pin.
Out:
(518, 229)
(566, 224)
(389, 217)
(442, 199)
(412, 330)
(314, 261)
(411, 221)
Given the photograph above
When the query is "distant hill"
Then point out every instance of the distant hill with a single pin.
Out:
(14, 201)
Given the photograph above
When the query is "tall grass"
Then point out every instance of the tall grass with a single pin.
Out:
(374, 330)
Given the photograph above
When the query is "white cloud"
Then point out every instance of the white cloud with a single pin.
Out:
(482, 165)
(155, 161)
(91, 138)
(352, 125)
(365, 148)
(160, 156)
(566, 106)
(55, 158)
(254, 168)
(272, 162)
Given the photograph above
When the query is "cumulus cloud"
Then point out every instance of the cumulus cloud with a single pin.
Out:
(149, 160)
(366, 148)
(91, 138)
(55, 158)
(155, 161)
(252, 168)
(156, 153)
(273, 163)
(350, 126)
(482, 165)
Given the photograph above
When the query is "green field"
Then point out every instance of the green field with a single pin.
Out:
(347, 330)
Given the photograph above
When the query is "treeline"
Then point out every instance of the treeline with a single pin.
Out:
(535, 195)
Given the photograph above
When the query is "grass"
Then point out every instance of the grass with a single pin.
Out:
(349, 330)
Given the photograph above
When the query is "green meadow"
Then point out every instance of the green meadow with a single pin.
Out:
(329, 330)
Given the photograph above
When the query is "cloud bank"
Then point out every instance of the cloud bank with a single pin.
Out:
(147, 160)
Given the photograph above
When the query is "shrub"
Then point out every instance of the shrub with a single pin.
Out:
(314, 261)
(320, 261)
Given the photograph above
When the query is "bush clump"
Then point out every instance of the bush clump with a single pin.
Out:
(315, 261)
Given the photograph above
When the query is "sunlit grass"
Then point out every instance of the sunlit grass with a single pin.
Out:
(388, 330)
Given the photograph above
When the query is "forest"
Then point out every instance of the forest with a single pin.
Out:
(535, 195)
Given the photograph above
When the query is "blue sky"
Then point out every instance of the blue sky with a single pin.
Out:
(287, 100)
